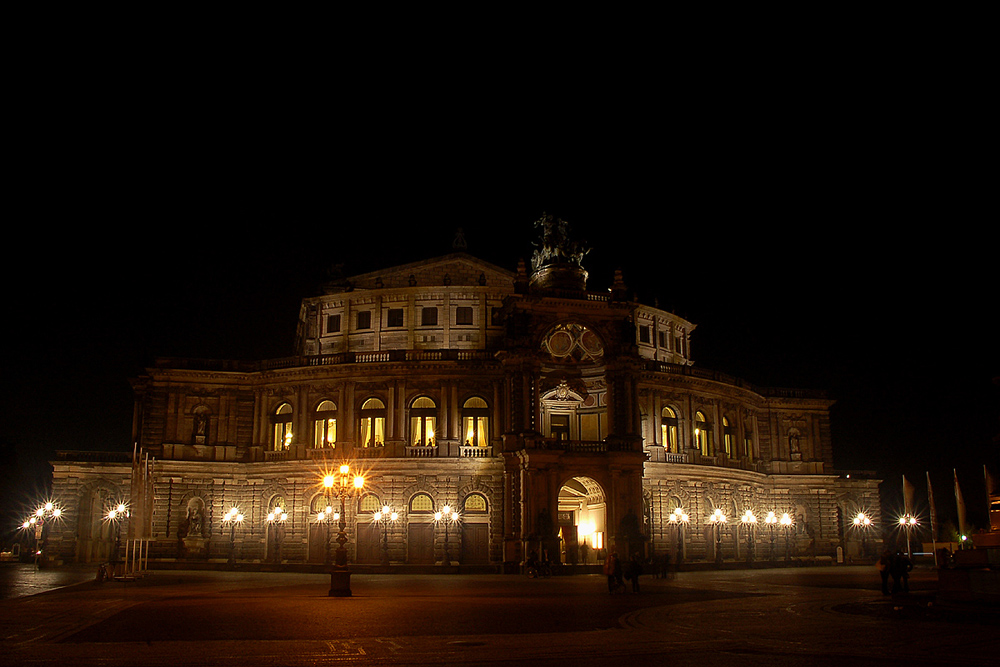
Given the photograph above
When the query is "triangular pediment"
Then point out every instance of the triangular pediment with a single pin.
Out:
(454, 269)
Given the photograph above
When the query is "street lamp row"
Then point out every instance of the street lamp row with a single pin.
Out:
(718, 520)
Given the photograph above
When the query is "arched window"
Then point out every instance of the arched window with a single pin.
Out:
(372, 429)
(702, 434)
(668, 430)
(325, 425)
(421, 503)
(277, 506)
(475, 504)
(423, 422)
(282, 427)
(475, 422)
(728, 435)
(320, 505)
(370, 504)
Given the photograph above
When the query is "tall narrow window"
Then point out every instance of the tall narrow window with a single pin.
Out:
(423, 422)
(668, 430)
(702, 434)
(371, 432)
(325, 425)
(475, 422)
(282, 420)
(728, 433)
(560, 427)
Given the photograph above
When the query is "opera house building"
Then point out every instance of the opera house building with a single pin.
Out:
(488, 413)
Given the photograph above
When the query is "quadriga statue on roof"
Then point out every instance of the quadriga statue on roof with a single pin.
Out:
(555, 246)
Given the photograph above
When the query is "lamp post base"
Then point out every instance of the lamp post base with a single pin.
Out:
(340, 583)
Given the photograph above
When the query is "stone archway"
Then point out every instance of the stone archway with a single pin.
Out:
(582, 521)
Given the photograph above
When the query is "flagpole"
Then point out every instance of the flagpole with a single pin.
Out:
(930, 501)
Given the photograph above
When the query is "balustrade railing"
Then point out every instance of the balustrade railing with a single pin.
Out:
(475, 452)
(421, 452)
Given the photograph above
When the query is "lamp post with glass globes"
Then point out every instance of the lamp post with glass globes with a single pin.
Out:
(232, 519)
(448, 515)
(342, 484)
(772, 521)
(718, 521)
(749, 523)
(908, 523)
(36, 523)
(679, 520)
(786, 526)
(117, 515)
(276, 519)
(384, 518)
(862, 523)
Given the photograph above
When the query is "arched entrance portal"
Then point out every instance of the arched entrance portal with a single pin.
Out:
(582, 520)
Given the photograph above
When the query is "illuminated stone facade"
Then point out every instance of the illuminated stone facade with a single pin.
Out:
(550, 418)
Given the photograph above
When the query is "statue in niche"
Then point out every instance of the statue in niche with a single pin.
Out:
(793, 445)
(200, 431)
(195, 519)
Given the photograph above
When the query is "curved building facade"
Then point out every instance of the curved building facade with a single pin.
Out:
(545, 417)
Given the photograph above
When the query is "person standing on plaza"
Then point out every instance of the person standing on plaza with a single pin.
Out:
(634, 570)
(900, 570)
(884, 565)
(613, 570)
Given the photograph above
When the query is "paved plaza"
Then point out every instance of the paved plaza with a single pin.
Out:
(815, 615)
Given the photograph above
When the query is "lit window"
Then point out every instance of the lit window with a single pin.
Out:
(475, 504)
(372, 428)
(370, 504)
(325, 425)
(421, 503)
(702, 434)
(282, 420)
(423, 421)
(728, 433)
(475, 422)
(668, 430)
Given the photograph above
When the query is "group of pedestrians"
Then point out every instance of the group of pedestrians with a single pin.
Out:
(616, 572)
(898, 567)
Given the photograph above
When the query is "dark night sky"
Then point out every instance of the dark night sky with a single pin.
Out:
(841, 249)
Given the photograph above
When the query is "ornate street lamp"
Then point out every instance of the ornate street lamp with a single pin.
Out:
(232, 519)
(36, 523)
(718, 521)
(384, 518)
(862, 523)
(342, 484)
(908, 523)
(679, 520)
(276, 519)
(448, 515)
(772, 521)
(786, 525)
(117, 515)
(749, 522)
